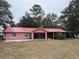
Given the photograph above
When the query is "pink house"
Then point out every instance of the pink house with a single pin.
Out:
(19, 33)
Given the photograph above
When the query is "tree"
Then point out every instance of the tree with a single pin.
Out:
(46, 23)
(52, 17)
(71, 15)
(37, 13)
(26, 21)
(36, 18)
(62, 22)
(5, 16)
(50, 20)
(32, 19)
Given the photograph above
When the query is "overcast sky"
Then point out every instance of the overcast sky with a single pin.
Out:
(50, 6)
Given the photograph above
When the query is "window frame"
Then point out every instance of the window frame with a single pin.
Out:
(14, 34)
(26, 34)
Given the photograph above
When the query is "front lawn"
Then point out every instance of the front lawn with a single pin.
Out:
(52, 49)
(2, 40)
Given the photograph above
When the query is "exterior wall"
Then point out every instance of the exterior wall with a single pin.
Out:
(19, 36)
(8, 36)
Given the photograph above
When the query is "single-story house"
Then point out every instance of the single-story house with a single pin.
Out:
(19, 33)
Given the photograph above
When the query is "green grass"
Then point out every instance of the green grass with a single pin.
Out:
(1, 40)
(52, 49)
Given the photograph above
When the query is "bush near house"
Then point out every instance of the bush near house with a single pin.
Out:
(2, 38)
(60, 36)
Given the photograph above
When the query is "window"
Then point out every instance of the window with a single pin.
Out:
(27, 35)
(13, 34)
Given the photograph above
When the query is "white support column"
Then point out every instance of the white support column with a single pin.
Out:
(32, 36)
(46, 35)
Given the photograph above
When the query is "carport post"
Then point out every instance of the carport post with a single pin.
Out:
(46, 35)
(53, 35)
(32, 36)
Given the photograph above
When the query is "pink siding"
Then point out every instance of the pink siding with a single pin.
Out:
(8, 36)
(19, 36)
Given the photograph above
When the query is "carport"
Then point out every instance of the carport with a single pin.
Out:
(39, 33)
(45, 33)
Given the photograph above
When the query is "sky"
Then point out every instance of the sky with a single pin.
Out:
(19, 7)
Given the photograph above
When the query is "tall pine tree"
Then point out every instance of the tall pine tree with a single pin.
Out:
(32, 19)
(37, 13)
(50, 21)
(71, 15)
(26, 21)
(5, 14)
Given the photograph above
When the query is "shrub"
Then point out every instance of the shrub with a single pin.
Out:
(60, 36)
(2, 37)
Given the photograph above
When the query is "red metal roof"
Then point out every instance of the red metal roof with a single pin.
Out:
(21, 29)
